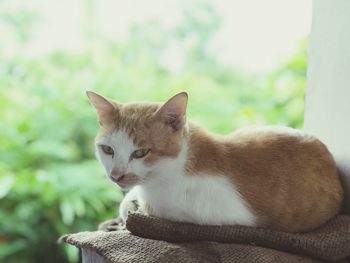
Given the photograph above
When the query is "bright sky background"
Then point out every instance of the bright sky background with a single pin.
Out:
(255, 35)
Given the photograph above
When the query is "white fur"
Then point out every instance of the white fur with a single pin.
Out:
(201, 199)
(121, 163)
(128, 203)
(169, 193)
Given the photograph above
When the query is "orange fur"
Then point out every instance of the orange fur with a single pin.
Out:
(290, 181)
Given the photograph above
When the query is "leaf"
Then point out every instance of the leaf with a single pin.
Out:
(53, 149)
(79, 206)
(67, 212)
(6, 184)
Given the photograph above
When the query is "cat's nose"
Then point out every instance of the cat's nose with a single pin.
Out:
(117, 176)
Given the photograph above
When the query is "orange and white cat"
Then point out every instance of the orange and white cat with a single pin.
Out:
(270, 176)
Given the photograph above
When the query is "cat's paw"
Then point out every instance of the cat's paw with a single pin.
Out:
(128, 206)
(130, 203)
(112, 225)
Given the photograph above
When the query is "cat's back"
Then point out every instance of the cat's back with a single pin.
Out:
(271, 142)
(267, 133)
(289, 178)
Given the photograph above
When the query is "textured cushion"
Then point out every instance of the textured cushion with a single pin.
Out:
(150, 239)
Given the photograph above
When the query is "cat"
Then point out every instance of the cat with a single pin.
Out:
(262, 176)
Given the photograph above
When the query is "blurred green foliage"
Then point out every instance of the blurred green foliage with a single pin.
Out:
(50, 182)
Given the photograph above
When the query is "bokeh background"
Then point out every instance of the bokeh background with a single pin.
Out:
(242, 62)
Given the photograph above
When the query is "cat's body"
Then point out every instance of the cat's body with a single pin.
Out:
(269, 176)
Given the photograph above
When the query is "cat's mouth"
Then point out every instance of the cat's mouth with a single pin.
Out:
(125, 181)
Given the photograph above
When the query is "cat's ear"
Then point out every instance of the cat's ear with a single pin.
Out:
(105, 109)
(173, 112)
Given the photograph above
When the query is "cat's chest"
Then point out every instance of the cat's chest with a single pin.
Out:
(203, 199)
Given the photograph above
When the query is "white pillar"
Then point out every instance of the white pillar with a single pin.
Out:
(327, 113)
(90, 256)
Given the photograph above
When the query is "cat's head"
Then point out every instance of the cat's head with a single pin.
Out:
(135, 138)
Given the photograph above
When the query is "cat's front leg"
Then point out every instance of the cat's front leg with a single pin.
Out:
(129, 203)
(133, 202)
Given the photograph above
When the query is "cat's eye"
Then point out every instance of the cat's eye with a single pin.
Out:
(107, 149)
(140, 153)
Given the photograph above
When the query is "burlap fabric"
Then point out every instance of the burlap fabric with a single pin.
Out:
(148, 239)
